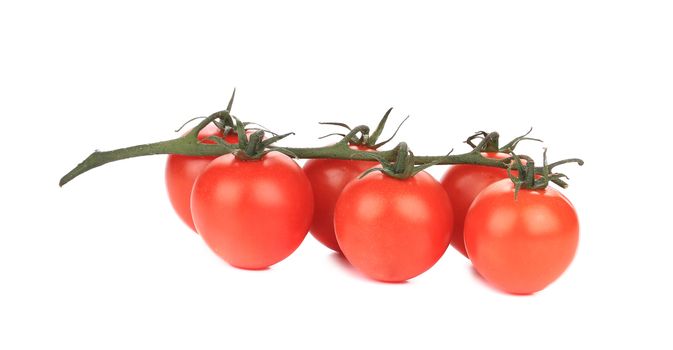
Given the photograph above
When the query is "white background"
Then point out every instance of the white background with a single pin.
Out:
(103, 263)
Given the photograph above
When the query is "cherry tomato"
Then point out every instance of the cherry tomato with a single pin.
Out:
(181, 172)
(521, 246)
(463, 183)
(391, 229)
(328, 178)
(252, 213)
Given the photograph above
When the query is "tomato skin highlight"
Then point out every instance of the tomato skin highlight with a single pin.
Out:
(521, 246)
(328, 178)
(182, 171)
(252, 214)
(391, 229)
(463, 182)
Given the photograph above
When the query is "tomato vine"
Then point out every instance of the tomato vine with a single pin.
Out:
(254, 146)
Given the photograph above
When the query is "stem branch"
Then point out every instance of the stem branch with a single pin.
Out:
(189, 145)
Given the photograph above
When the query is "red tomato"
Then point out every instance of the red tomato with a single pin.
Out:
(391, 229)
(328, 178)
(181, 172)
(463, 183)
(521, 246)
(254, 213)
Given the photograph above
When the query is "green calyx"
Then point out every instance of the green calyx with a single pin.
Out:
(404, 166)
(256, 146)
(362, 136)
(527, 178)
(222, 119)
(226, 122)
(490, 142)
(251, 147)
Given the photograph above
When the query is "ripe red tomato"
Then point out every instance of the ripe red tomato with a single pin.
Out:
(181, 172)
(391, 229)
(521, 246)
(328, 178)
(252, 213)
(463, 182)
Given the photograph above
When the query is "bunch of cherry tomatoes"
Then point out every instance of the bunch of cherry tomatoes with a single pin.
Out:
(255, 213)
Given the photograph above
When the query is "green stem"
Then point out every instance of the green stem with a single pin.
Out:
(189, 145)
(176, 146)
